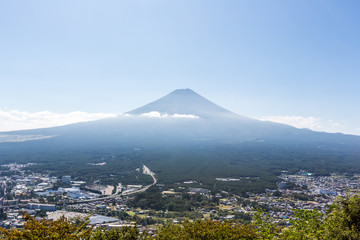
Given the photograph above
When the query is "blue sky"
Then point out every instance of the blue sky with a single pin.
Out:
(291, 61)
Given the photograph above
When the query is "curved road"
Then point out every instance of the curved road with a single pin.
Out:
(146, 171)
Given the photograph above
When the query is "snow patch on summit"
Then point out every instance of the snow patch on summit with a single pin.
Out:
(155, 114)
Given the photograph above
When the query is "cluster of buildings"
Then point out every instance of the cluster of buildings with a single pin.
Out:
(30, 192)
(310, 193)
(36, 193)
(201, 191)
(94, 220)
(334, 184)
(103, 206)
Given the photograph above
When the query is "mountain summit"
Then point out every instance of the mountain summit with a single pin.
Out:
(217, 144)
(184, 101)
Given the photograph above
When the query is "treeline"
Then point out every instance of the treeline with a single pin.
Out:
(152, 199)
(201, 161)
(262, 162)
(342, 221)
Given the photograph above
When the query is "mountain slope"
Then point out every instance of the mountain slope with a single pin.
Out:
(185, 101)
(218, 143)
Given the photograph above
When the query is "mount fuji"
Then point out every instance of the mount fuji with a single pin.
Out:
(183, 136)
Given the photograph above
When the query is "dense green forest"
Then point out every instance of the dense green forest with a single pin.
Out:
(340, 222)
(177, 161)
(153, 199)
(201, 162)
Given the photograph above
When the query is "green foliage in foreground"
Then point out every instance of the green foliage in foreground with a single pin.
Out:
(207, 230)
(342, 221)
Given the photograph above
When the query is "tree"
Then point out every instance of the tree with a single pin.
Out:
(3, 215)
(305, 225)
(44, 229)
(204, 230)
(342, 221)
(41, 213)
(125, 233)
(265, 225)
(343, 218)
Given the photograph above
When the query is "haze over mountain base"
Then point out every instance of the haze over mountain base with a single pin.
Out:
(183, 136)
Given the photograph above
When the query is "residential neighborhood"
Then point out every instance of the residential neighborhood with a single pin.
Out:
(50, 197)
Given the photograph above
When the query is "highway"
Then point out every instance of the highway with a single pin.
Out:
(146, 171)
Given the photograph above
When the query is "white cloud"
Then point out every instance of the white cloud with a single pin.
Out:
(155, 114)
(177, 115)
(22, 138)
(312, 123)
(296, 121)
(19, 120)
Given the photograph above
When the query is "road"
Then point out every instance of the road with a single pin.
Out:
(146, 171)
